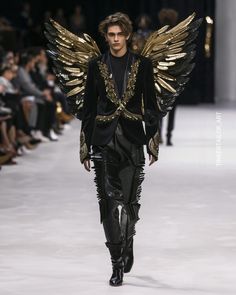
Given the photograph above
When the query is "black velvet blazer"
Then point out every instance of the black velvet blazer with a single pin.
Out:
(103, 109)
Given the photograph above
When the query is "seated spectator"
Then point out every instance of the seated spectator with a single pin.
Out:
(6, 156)
(12, 100)
(46, 80)
(41, 115)
(7, 150)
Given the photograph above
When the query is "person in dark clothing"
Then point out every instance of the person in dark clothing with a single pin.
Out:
(43, 108)
(15, 102)
(120, 97)
(41, 76)
(119, 94)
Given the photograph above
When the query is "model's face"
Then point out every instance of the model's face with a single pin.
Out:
(116, 38)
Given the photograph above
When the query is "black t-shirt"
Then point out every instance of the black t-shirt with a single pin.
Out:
(118, 66)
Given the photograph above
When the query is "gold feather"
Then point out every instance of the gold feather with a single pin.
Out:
(166, 76)
(158, 88)
(74, 82)
(75, 90)
(166, 85)
(73, 54)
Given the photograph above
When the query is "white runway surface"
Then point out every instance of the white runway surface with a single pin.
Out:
(51, 241)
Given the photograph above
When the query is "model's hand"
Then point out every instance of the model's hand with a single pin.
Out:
(152, 159)
(87, 164)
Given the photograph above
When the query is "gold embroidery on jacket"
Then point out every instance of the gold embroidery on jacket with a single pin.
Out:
(112, 95)
(83, 147)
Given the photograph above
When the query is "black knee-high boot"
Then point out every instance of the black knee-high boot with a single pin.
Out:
(130, 216)
(128, 255)
(116, 251)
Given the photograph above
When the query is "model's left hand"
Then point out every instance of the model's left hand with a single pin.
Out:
(152, 159)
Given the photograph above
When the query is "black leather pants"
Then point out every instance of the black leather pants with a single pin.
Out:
(118, 176)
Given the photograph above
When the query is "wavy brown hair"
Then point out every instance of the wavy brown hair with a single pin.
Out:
(117, 19)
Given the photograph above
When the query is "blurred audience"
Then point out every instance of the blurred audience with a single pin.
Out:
(33, 110)
(60, 17)
(5, 24)
(143, 24)
(77, 21)
(25, 29)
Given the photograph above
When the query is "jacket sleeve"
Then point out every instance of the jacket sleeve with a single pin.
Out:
(89, 113)
(151, 112)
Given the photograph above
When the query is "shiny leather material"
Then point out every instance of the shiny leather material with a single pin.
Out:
(117, 263)
(128, 256)
(118, 176)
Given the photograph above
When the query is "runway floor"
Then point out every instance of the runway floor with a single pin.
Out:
(51, 241)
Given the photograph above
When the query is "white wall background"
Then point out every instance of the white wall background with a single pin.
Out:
(225, 74)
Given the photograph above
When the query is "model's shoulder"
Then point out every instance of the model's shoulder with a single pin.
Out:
(144, 60)
(93, 61)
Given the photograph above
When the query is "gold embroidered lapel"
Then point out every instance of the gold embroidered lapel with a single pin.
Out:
(112, 95)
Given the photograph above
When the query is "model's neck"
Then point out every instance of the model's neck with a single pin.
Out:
(120, 52)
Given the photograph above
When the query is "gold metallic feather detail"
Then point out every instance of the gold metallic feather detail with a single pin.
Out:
(165, 85)
(171, 52)
(132, 116)
(72, 70)
(163, 29)
(166, 77)
(70, 55)
(65, 61)
(158, 88)
(74, 82)
(166, 64)
(162, 68)
(75, 90)
(175, 56)
(76, 74)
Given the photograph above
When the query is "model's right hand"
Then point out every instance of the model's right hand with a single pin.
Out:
(87, 165)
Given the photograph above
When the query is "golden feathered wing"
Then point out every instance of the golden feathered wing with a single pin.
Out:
(172, 52)
(70, 55)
